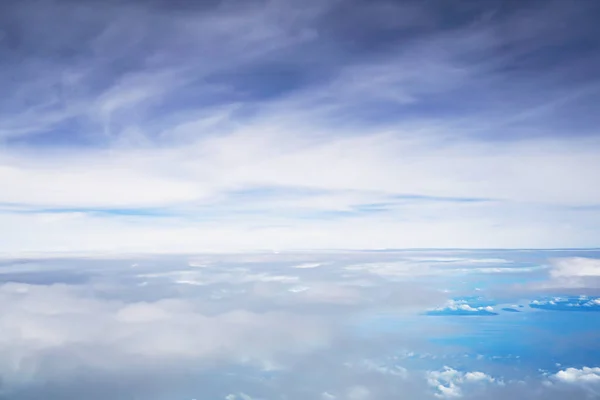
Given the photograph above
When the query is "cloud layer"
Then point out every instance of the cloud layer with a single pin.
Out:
(295, 325)
(142, 126)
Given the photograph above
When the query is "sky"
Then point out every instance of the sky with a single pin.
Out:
(221, 126)
(299, 200)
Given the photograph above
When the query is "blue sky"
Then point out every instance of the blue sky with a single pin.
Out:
(226, 125)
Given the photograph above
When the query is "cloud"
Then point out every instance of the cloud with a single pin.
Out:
(460, 307)
(449, 383)
(304, 266)
(571, 276)
(585, 378)
(411, 266)
(42, 324)
(86, 325)
(247, 126)
(581, 303)
(575, 267)
(584, 375)
(395, 370)
(267, 128)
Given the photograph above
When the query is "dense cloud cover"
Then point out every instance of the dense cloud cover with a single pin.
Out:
(344, 325)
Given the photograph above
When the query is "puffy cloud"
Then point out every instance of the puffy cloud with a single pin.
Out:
(584, 380)
(477, 377)
(450, 391)
(584, 376)
(461, 307)
(580, 303)
(448, 382)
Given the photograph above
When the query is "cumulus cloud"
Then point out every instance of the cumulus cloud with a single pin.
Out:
(585, 375)
(580, 303)
(461, 307)
(449, 383)
(586, 379)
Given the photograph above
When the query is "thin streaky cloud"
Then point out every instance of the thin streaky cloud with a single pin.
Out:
(392, 115)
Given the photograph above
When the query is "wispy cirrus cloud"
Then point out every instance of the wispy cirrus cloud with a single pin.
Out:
(280, 121)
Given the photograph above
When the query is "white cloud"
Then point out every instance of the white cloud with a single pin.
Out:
(583, 376)
(82, 232)
(571, 273)
(196, 181)
(449, 391)
(592, 303)
(463, 306)
(449, 266)
(586, 379)
(40, 322)
(178, 133)
(308, 265)
(477, 376)
(450, 383)
(575, 267)
(233, 276)
(568, 303)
